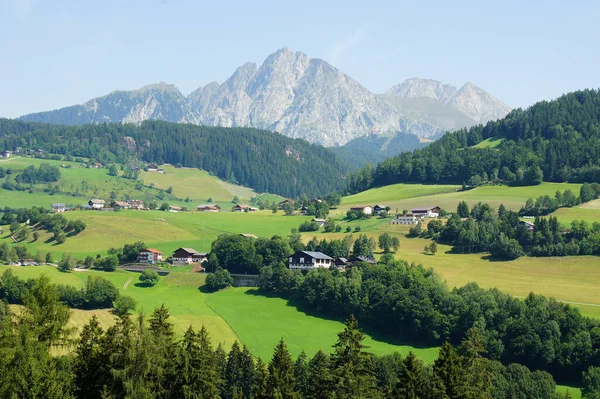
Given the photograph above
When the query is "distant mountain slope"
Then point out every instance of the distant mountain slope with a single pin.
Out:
(295, 95)
(470, 100)
(374, 148)
(262, 160)
(553, 141)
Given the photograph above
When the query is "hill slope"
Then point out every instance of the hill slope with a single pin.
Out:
(291, 93)
(554, 141)
(262, 160)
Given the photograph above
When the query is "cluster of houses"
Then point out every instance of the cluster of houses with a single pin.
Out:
(244, 208)
(180, 257)
(416, 215)
(308, 260)
(370, 210)
(100, 204)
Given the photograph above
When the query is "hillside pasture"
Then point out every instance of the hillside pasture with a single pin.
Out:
(492, 142)
(407, 196)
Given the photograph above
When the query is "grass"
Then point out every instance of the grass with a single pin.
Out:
(165, 231)
(406, 196)
(492, 142)
(575, 392)
(83, 183)
(590, 212)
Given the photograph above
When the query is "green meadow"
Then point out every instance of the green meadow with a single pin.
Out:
(492, 142)
(406, 196)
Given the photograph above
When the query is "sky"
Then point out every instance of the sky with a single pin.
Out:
(61, 53)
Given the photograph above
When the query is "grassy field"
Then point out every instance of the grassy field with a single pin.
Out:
(406, 196)
(166, 231)
(574, 392)
(492, 142)
(83, 183)
(233, 314)
(261, 322)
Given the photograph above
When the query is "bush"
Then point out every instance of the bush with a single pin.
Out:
(124, 305)
(109, 263)
(149, 277)
(219, 280)
(308, 226)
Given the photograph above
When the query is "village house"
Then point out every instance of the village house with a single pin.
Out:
(161, 171)
(136, 204)
(304, 210)
(377, 209)
(367, 210)
(319, 222)
(249, 235)
(152, 167)
(530, 225)
(208, 208)
(6, 154)
(28, 262)
(120, 204)
(364, 259)
(341, 263)
(430, 212)
(96, 203)
(284, 203)
(58, 208)
(408, 218)
(185, 256)
(306, 260)
(150, 255)
(244, 208)
(174, 208)
(96, 165)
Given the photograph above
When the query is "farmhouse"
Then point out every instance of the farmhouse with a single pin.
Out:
(95, 203)
(161, 171)
(28, 262)
(174, 208)
(6, 154)
(95, 165)
(284, 203)
(319, 222)
(150, 255)
(430, 212)
(367, 210)
(244, 208)
(341, 263)
(364, 259)
(152, 167)
(185, 256)
(120, 204)
(530, 226)
(377, 209)
(249, 235)
(305, 260)
(136, 204)
(208, 208)
(304, 210)
(409, 218)
(58, 208)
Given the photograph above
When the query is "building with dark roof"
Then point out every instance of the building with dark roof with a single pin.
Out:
(306, 260)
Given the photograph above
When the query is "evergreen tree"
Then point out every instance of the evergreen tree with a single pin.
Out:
(447, 368)
(281, 383)
(411, 382)
(89, 364)
(477, 382)
(301, 373)
(319, 380)
(261, 374)
(247, 368)
(351, 366)
(233, 373)
(198, 376)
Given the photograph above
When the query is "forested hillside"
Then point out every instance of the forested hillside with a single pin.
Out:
(555, 141)
(259, 159)
(374, 149)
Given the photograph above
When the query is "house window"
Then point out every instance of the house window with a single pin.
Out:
(290, 260)
(301, 260)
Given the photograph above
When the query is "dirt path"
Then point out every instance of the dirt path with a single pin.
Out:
(127, 283)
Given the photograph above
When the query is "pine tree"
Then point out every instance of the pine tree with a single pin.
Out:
(221, 366)
(319, 382)
(477, 383)
(301, 372)
(233, 373)
(89, 364)
(281, 383)
(261, 374)
(411, 382)
(353, 376)
(248, 372)
(447, 369)
(197, 367)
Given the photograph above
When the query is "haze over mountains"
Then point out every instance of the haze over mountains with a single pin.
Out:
(298, 96)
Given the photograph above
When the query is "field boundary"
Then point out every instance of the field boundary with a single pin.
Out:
(224, 319)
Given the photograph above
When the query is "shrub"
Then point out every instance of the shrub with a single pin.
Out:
(219, 280)
(67, 263)
(100, 293)
(308, 226)
(124, 305)
(149, 277)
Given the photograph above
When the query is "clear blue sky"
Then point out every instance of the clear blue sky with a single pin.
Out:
(59, 53)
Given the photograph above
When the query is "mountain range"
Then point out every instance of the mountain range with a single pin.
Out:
(297, 96)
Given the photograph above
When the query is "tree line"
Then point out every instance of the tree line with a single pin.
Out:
(144, 358)
(262, 160)
(555, 141)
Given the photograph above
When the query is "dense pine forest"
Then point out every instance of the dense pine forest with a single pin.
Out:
(143, 358)
(262, 160)
(555, 141)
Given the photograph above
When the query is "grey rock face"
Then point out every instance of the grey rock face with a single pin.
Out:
(470, 100)
(298, 96)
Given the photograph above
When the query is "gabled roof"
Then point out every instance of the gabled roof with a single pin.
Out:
(379, 206)
(359, 207)
(97, 201)
(247, 235)
(59, 205)
(318, 220)
(423, 209)
(191, 251)
(154, 251)
(208, 206)
(365, 259)
(317, 255)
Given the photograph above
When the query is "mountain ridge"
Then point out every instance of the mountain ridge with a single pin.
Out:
(295, 95)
